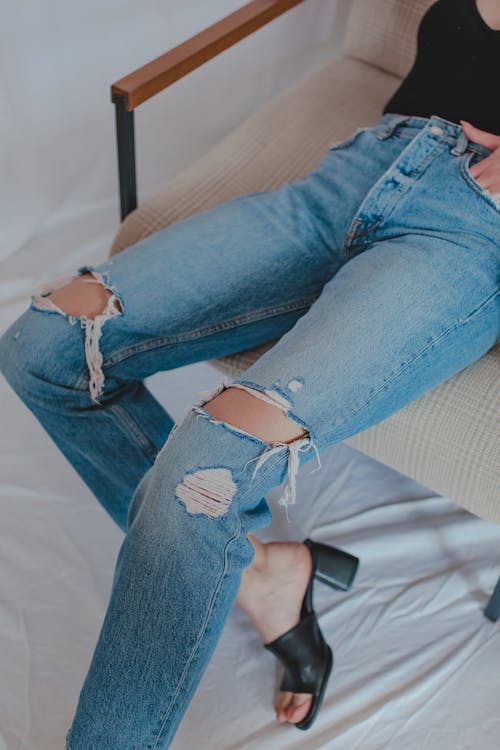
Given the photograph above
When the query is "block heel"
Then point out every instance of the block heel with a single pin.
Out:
(333, 566)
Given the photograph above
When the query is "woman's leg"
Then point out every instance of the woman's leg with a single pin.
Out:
(451, 234)
(407, 312)
(221, 281)
(271, 592)
(412, 309)
(218, 282)
(377, 337)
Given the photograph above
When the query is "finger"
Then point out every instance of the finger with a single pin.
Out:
(490, 164)
(477, 169)
(491, 184)
(489, 140)
(486, 170)
(488, 179)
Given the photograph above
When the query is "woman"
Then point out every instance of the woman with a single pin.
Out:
(378, 273)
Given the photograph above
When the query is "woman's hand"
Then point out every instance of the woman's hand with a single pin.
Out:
(486, 171)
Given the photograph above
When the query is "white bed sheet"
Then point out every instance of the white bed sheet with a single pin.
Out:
(417, 664)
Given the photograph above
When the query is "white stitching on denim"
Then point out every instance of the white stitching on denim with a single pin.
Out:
(199, 639)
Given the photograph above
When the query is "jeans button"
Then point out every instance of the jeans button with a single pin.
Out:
(436, 130)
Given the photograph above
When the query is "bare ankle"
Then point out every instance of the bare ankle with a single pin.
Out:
(259, 563)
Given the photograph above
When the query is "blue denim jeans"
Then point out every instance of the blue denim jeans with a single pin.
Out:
(379, 274)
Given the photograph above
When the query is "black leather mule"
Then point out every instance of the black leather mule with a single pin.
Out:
(305, 655)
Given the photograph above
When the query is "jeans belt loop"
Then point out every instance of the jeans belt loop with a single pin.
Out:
(461, 144)
(391, 126)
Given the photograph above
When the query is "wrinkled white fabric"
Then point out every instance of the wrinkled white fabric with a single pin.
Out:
(416, 662)
(57, 140)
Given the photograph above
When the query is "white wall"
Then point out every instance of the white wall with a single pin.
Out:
(59, 193)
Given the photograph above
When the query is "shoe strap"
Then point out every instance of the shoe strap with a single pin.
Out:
(302, 650)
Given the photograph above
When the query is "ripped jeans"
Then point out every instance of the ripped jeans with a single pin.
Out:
(378, 276)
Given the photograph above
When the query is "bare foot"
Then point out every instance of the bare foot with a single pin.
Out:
(271, 593)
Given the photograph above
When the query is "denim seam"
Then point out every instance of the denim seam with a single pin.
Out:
(134, 430)
(198, 333)
(448, 140)
(415, 177)
(251, 487)
(464, 162)
(338, 146)
(80, 383)
(457, 324)
(199, 639)
(353, 233)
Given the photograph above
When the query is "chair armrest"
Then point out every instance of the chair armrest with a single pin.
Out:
(161, 72)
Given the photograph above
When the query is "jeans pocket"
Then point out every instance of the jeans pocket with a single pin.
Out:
(468, 160)
(337, 145)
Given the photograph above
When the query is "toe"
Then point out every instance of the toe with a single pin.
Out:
(298, 707)
(283, 701)
(292, 707)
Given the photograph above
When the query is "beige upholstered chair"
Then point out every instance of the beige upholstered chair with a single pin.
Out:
(448, 439)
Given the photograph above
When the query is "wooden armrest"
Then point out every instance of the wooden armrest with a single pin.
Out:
(161, 72)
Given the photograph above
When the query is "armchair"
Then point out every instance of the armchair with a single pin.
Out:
(448, 439)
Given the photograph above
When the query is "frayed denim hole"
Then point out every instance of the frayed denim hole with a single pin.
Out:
(208, 492)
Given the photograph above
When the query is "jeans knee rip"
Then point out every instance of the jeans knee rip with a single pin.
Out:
(216, 488)
(207, 491)
(92, 326)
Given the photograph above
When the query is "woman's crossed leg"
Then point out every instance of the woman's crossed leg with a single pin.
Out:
(377, 335)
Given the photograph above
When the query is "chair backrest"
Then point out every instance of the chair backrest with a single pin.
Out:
(384, 32)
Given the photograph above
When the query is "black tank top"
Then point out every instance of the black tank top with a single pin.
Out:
(456, 73)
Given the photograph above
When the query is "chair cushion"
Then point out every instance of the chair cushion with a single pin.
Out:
(384, 32)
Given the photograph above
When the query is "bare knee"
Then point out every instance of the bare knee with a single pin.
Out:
(241, 409)
(89, 298)
(84, 296)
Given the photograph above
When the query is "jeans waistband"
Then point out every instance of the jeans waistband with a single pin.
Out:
(438, 127)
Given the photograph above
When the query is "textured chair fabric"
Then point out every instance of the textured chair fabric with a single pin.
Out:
(384, 32)
(281, 142)
(447, 439)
